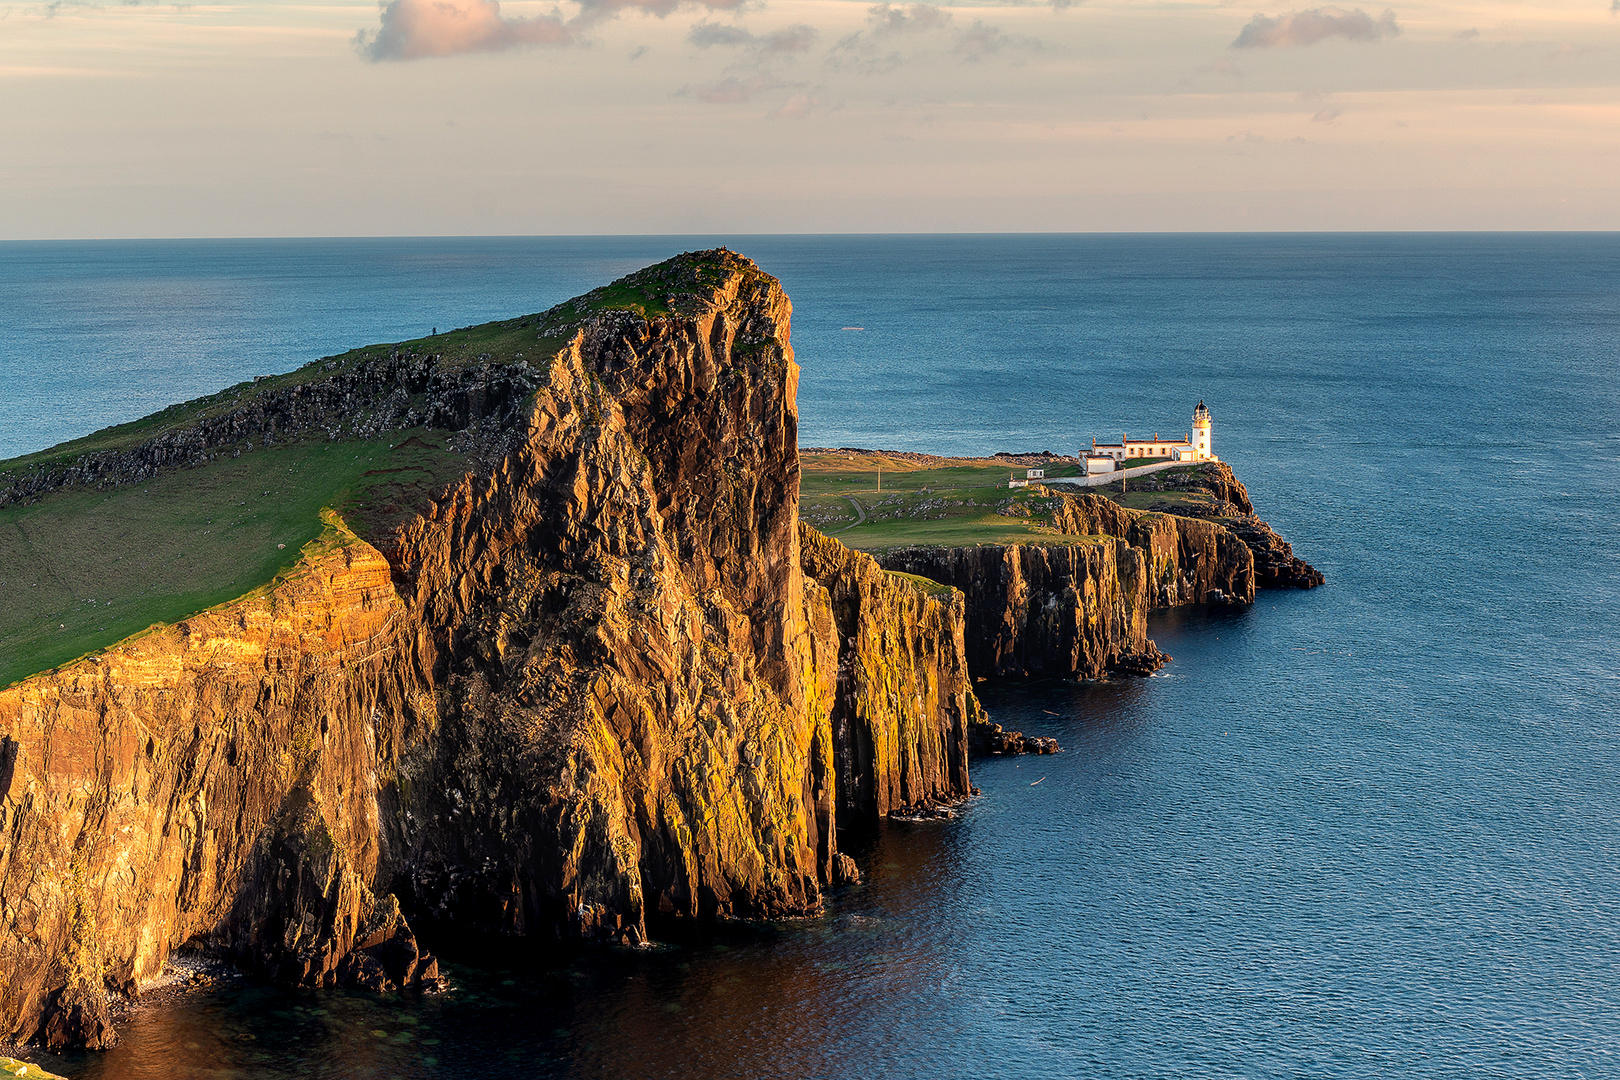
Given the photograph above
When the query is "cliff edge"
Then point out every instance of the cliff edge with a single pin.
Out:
(597, 680)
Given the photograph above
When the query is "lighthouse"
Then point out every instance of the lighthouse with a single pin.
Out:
(1200, 434)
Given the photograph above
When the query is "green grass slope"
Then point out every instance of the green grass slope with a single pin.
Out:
(80, 570)
(951, 502)
(83, 569)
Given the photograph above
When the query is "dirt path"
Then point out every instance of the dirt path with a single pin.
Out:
(860, 515)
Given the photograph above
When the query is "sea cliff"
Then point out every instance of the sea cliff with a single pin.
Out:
(561, 660)
(600, 681)
(1079, 609)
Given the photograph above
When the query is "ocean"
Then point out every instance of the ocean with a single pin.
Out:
(1368, 830)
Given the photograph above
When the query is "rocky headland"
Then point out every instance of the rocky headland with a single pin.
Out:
(601, 682)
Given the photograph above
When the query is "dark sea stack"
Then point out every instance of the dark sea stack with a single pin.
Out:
(601, 681)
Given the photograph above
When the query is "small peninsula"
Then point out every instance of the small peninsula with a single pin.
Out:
(539, 629)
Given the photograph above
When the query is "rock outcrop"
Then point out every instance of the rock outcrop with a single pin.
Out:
(1275, 564)
(602, 682)
(1079, 609)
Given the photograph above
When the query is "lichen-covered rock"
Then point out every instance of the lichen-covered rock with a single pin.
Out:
(24, 1070)
(589, 688)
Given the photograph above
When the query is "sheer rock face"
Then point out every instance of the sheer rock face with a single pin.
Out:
(1079, 610)
(591, 688)
(904, 701)
(147, 783)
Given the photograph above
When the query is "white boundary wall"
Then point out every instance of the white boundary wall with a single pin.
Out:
(1111, 477)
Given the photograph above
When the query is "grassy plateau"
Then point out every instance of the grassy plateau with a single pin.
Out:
(80, 570)
(954, 502)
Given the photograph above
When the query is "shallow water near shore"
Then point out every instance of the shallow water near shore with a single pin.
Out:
(1371, 829)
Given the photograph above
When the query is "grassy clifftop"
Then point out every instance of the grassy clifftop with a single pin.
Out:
(165, 516)
(956, 502)
(676, 286)
(81, 569)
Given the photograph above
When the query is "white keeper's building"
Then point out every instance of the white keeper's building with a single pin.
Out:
(1194, 446)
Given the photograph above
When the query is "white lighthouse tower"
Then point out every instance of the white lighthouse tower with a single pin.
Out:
(1200, 435)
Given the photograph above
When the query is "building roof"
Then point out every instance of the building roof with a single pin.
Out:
(1148, 442)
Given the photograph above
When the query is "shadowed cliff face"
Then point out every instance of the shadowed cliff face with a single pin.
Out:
(590, 687)
(1080, 609)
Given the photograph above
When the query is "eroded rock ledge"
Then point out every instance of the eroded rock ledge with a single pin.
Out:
(1078, 609)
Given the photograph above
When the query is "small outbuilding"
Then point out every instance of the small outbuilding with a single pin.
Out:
(1097, 464)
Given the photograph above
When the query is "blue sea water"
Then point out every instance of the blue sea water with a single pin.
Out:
(1367, 830)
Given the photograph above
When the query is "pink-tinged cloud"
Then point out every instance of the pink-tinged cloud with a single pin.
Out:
(1298, 28)
(414, 29)
(793, 108)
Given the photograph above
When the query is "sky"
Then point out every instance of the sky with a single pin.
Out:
(471, 117)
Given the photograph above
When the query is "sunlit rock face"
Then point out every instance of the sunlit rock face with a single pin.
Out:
(599, 683)
(1079, 609)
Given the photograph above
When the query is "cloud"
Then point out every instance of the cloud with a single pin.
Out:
(793, 39)
(733, 90)
(1471, 33)
(1300, 28)
(852, 54)
(594, 10)
(981, 40)
(862, 53)
(413, 29)
(1327, 116)
(793, 108)
(900, 19)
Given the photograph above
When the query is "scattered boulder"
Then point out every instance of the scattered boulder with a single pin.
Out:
(994, 739)
(386, 955)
